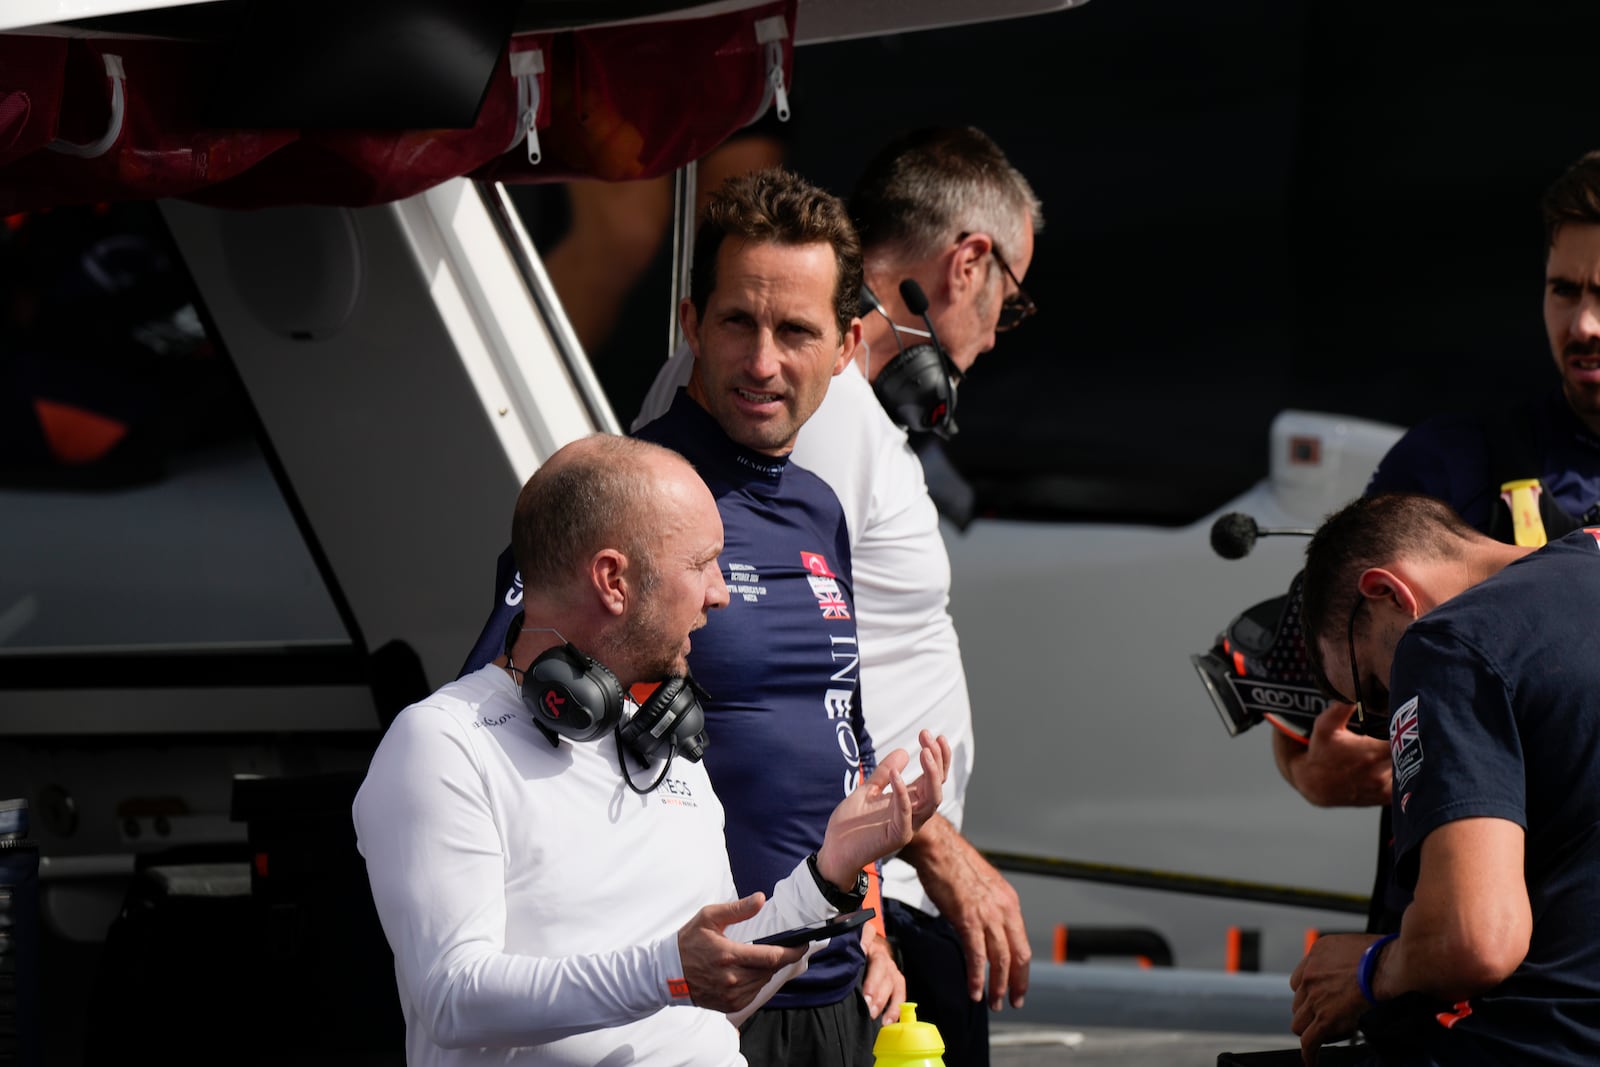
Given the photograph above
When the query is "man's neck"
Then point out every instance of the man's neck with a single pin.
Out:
(1490, 557)
(878, 339)
(544, 626)
(533, 643)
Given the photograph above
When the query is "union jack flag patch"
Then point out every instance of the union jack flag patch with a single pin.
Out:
(1405, 743)
(830, 598)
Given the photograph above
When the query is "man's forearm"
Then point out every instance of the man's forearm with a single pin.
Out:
(1449, 960)
(934, 846)
(1470, 923)
(980, 904)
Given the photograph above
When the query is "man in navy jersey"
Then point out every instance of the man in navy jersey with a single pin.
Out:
(1477, 656)
(1468, 461)
(945, 208)
(771, 318)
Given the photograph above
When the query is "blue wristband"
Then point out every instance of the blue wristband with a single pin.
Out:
(1369, 963)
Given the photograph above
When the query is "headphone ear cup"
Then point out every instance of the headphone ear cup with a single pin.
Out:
(571, 694)
(916, 390)
(671, 714)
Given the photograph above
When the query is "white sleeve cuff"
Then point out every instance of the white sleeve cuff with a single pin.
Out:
(669, 978)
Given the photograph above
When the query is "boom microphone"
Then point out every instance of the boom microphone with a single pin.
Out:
(1234, 534)
(917, 303)
(916, 300)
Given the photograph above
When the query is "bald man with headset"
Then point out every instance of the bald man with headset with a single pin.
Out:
(547, 858)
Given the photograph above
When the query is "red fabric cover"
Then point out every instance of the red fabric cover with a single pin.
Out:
(30, 94)
(615, 103)
(639, 101)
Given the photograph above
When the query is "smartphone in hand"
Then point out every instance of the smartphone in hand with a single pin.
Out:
(817, 931)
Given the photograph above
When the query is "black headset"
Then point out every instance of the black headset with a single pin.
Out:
(573, 695)
(918, 386)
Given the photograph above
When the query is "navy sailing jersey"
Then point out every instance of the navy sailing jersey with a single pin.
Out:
(1496, 698)
(1461, 460)
(785, 737)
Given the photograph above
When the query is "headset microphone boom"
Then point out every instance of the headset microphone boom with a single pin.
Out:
(1257, 670)
(1234, 534)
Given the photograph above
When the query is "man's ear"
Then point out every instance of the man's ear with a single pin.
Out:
(608, 576)
(969, 264)
(851, 344)
(689, 323)
(1393, 588)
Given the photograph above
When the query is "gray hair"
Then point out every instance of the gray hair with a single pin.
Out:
(928, 186)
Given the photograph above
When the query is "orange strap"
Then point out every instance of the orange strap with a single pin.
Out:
(875, 900)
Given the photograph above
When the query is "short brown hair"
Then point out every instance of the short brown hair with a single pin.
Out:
(778, 207)
(1373, 531)
(597, 496)
(1573, 197)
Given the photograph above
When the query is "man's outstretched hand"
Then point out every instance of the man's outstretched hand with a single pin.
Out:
(883, 813)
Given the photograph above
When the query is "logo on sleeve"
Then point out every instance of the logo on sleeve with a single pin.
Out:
(825, 587)
(1405, 743)
(1594, 532)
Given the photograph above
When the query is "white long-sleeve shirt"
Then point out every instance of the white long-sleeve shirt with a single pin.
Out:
(533, 900)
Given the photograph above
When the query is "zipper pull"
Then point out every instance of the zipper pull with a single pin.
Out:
(772, 32)
(526, 67)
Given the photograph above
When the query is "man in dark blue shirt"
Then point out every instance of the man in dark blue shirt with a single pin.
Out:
(1476, 462)
(1478, 657)
(771, 318)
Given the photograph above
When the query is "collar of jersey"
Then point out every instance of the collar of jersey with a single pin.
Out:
(715, 453)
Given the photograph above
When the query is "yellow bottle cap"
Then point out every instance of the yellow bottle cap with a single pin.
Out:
(908, 1039)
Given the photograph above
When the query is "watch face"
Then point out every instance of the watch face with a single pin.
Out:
(844, 900)
(850, 899)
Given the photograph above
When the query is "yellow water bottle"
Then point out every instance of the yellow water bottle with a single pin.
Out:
(908, 1043)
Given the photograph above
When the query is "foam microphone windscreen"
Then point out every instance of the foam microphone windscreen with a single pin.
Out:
(916, 300)
(1234, 535)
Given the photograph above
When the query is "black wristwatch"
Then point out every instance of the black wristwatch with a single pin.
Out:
(839, 898)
